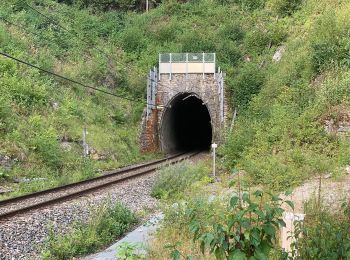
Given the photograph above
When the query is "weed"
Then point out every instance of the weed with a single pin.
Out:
(173, 180)
(106, 224)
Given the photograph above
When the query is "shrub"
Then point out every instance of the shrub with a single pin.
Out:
(250, 5)
(323, 235)
(107, 224)
(248, 230)
(173, 180)
(6, 115)
(133, 40)
(285, 7)
(247, 83)
(330, 41)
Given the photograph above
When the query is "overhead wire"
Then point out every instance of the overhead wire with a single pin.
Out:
(72, 80)
(22, 28)
(72, 32)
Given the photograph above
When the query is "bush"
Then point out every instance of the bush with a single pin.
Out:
(108, 223)
(250, 5)
(248, 230)
(323, 235)
(173, 180)
(285, 7)
(330, 41)
(247, 83)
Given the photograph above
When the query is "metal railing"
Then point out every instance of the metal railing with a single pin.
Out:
(187, 63)
(187, 58)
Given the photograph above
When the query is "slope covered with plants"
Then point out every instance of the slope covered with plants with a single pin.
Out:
(283, 103)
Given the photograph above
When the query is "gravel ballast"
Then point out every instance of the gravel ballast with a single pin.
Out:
(22, 237)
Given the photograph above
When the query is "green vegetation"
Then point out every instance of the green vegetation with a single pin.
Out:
(279, 138)
(247, 231)
(202, 225)
(172, 181)
(325, 234)
(42, 117)
(106, 224)
(284, 101)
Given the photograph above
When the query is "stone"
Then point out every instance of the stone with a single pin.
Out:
(206, 89)
(67, 146)
(5, 190)
(55, 105)
(279, 53)
(347, 169)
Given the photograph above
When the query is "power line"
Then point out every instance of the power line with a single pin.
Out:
(70, 31)
(55, 22)
(71, 80)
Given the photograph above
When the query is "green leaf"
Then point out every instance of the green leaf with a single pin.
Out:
(234, 201)
(290, 203)
(245, 197)
(269, 229)
(236, 255)
(175, 254)
(288, 192)
(219, 254)
(258, 193)
(281, 222)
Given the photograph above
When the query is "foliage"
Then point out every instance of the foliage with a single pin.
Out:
(247, 83)
(323, 235)
(173, 180)
(247, 231)
(129, 251)
(108, 223)
(285, 7)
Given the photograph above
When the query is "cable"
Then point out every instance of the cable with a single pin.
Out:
(72, 80)
(64, 28)
(70, 31)
(24, 29)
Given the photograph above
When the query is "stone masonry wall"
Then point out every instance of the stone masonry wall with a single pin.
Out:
(204, 88)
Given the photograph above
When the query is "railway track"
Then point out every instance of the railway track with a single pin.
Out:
(22, 204)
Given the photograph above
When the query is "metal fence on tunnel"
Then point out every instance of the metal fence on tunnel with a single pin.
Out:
(186, 63)
(186, 57)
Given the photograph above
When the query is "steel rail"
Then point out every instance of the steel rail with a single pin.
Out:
(127, 173)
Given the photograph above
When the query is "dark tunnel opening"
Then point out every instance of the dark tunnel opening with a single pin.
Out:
(186, 125)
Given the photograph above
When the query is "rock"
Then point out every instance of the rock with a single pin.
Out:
(92, 150)
(347, 169)
(5, 160)
(55, 105)
(327, 176)
(5, 190)
(27, 180)
(338, 121)
(279, 53)
(67, 146)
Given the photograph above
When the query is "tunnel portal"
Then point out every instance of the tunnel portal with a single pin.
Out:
(185, 108)
(186, 124)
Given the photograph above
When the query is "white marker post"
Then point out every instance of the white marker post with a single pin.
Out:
(214, 145)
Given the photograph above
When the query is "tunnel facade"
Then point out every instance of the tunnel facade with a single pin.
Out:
(187, 113)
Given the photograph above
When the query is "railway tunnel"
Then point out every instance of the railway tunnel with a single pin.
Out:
(186, 124)
(185, 108)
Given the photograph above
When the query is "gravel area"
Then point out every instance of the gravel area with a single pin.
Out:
(22, 237)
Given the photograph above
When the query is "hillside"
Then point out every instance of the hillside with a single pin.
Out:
(287, 65)
(283, 103)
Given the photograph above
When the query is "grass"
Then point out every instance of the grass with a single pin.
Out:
(173, 180)
(107, 223)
